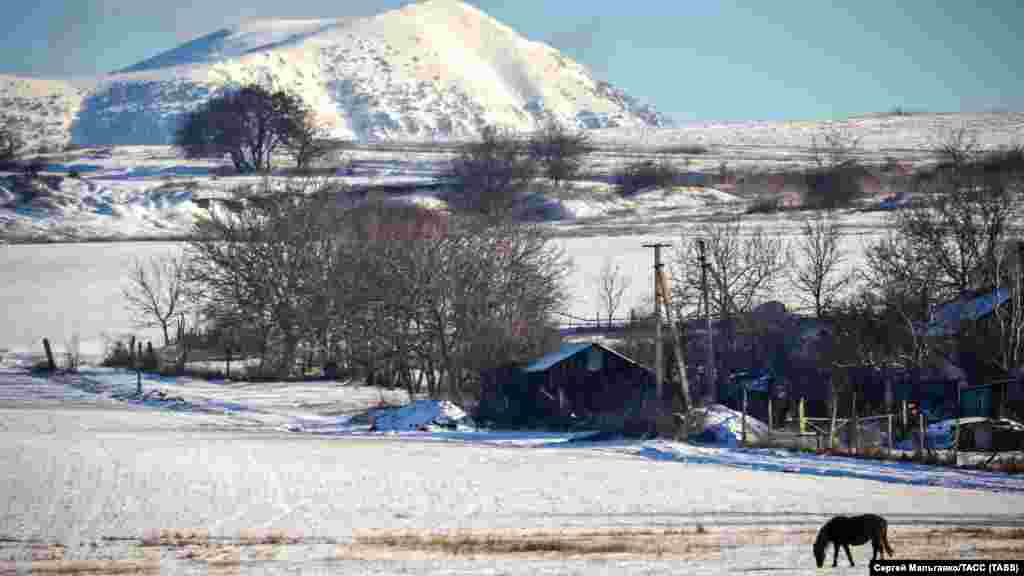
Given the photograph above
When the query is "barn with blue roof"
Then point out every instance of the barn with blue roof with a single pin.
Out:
(581, 383)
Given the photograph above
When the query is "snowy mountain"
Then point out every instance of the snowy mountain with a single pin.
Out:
(432, 70)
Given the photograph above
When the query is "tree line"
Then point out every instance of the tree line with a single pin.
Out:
(416, 297)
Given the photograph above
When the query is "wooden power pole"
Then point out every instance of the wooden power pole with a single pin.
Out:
(709, 368)
(658, 357)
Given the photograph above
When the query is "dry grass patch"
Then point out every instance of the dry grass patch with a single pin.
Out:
(693, 544)
(256, 537)
(690, 543)
(85, 567)
(184, 537)
(957, 542)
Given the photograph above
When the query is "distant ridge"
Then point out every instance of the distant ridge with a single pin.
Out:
(431, 70)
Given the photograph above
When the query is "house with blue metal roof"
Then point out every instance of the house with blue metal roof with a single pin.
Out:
(581, 383)
(952, 317)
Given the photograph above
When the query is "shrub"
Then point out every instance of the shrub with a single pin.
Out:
(33, 167)
(249, 124)
(74, 174)
(689, 149)
(645, 174)
(489, 175)
(764, 205)
(832, 187)
(118, 355)
(557, 151)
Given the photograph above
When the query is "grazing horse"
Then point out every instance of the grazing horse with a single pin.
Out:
(856, 530)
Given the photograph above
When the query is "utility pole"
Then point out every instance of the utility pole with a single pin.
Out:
(709, 369)
(658, 361)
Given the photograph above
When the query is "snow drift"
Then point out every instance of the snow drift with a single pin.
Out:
(723, 426)
(419, 415)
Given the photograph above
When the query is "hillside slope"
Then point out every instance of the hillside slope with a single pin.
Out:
(432, 70)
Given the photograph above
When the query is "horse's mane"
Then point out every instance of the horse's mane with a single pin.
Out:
(822, 540)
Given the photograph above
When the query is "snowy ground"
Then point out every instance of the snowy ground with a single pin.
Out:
(59, 290)
(196, 476)
(217, 482)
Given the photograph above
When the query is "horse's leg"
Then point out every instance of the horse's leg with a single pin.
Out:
(835, 554)
(848, 555)
(875, 548)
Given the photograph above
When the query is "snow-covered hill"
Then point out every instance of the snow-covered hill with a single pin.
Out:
(431, 70)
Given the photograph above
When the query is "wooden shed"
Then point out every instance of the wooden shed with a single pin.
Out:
(580, 383)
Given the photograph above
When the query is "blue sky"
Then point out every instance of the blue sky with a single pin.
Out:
(692, 59)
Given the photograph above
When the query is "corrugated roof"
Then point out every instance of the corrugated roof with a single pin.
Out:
(948, 318)
(567, 350)
(548, 360)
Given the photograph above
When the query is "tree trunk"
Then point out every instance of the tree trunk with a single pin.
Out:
(50, 363)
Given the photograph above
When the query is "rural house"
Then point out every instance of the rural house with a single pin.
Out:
(580, 383)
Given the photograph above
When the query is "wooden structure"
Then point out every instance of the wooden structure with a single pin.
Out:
(580, 383)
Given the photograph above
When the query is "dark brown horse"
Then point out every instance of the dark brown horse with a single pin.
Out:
(849, 531)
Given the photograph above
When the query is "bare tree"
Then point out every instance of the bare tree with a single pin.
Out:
(305, 138)
(156, 293)
(898, 293)
(491, 173)
(403, 293)
(248, 124)
(956, 146)
(611, 286)
(1009, 318)
(558, 151)
(815, 264)
(959, 228)
(834, 145)
(947, 248)
(742, 267)
(11, 142)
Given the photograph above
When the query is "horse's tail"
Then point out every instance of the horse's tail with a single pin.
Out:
(885, 538)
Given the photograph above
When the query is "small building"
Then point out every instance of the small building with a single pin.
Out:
(584, 383)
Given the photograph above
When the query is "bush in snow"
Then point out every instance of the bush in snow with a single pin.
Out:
(249, 125)
(118, 355)
(490, 174)
(832, 187)
(10, 143)
(558, 151)
(646, 174)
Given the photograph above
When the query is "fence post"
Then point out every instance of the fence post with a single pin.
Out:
(889, 418)
(956, 433)
(803, 416)
(904, 422)
(227, 362)
(855, 421)
(49, 355)
(744, 431)
(924, 439)
(770, 413)
(832, 425)
(138, 372)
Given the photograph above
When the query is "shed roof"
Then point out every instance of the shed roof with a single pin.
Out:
(568, 350)
(947, 318)
(548, 360)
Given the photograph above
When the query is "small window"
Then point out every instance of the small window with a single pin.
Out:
(594, 359)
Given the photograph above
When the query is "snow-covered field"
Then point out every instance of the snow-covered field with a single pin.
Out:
(58, 290)
(278, 477)
(95, 483)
